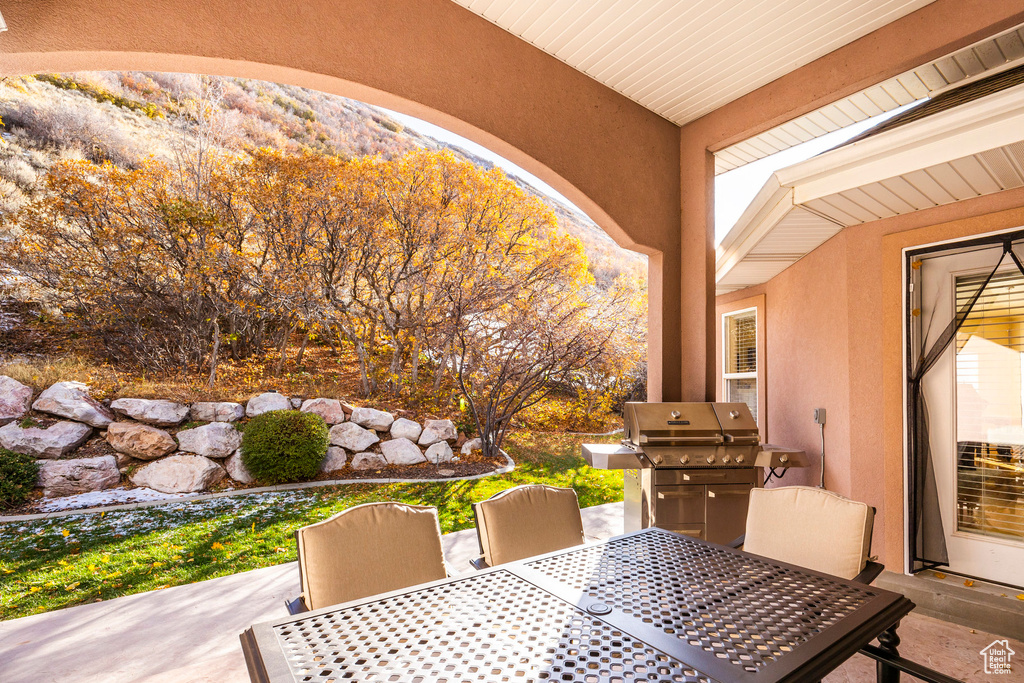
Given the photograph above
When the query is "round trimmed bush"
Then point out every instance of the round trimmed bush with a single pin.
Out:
(283, 446)
(18, 475)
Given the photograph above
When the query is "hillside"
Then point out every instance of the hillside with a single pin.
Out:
(124, 117)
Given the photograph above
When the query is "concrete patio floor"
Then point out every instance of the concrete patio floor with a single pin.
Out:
(189, 634)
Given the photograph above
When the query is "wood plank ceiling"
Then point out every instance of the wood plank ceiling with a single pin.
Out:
(685, 59)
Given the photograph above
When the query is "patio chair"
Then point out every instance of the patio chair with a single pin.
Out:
(812, 528)
(366, 550)
(525, 521)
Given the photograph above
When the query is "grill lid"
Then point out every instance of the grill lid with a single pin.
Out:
(680, 424)
(668, 424)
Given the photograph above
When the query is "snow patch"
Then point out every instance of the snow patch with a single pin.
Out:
(115, 496)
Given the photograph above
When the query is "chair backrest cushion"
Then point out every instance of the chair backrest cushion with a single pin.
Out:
(810, 527)
(369, 549)
(526, 521)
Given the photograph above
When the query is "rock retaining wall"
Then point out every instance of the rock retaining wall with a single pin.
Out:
(153, 450)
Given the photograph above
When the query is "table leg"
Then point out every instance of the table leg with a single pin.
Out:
(889, 642)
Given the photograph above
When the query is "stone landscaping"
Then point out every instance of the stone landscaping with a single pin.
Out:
(153, 447)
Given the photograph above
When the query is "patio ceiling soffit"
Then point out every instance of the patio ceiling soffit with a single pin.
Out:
(968, 151)
(982, 59)
(683, 60)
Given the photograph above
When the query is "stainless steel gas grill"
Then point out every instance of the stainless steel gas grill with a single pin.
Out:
(689, 467)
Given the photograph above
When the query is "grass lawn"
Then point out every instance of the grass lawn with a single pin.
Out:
(50, 564)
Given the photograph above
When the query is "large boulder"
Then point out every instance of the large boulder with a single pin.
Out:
(215, 440)
(237, 470)
(157, 413)
(216, 412)
(52, 442)
(81, 475)
(140, 441)
(352, 437)
(335, 460)
(15, 399)
(179, 474)
(327, 408)
(437, 430)
(264, 403)
(72, 400)
(368, 461)
(401, 452)
(472, 445)
(405, 429)
(439, 452)
(369, 418)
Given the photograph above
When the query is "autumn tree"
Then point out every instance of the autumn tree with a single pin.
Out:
(134, 260)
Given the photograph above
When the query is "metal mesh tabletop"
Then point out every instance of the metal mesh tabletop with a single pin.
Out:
(648, 606)
(742, 609)
(496, 627)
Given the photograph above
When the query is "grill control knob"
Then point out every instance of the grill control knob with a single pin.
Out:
(683, 459)
(735, 414)
(675, 414)
(710, 459)
(739, 459)
(658, 460)
(726, 458)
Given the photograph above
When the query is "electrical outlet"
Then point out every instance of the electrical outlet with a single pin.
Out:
(819, 416)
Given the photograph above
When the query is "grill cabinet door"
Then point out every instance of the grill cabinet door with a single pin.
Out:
(727, 511)
(679, 505)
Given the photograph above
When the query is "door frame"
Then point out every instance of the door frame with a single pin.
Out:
(908, 255)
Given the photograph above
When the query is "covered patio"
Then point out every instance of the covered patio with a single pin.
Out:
(631, 110)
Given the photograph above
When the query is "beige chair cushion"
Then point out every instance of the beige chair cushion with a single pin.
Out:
(526, 521)
(369, 549)
(810, 527)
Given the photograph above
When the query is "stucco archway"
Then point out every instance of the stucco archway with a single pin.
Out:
(428, 58)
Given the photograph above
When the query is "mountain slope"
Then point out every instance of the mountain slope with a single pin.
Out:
(124, 117)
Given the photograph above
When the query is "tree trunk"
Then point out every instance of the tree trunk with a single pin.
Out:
(364, 371)
(415, 360)
(446, 356)
(214, 353)
(302, 349)
(284, 349)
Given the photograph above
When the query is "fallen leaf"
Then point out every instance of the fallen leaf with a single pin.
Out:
(65, 533)
(968, 583)
(217, 545)
(34, 589)
(72, 586)
(939, 575)
(1020, 596)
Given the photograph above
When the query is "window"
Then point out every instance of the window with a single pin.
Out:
(739, 365)
(990, 407)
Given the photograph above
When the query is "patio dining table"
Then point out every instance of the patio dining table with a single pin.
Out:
(651, 605)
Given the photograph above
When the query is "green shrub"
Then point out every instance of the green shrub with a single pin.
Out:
(17, 477)
(284, 446)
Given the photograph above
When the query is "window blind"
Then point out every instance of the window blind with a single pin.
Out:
(990, 407)
(740, 360)
(741, 355)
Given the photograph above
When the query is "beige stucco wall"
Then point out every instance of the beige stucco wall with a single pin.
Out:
(834, 340)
